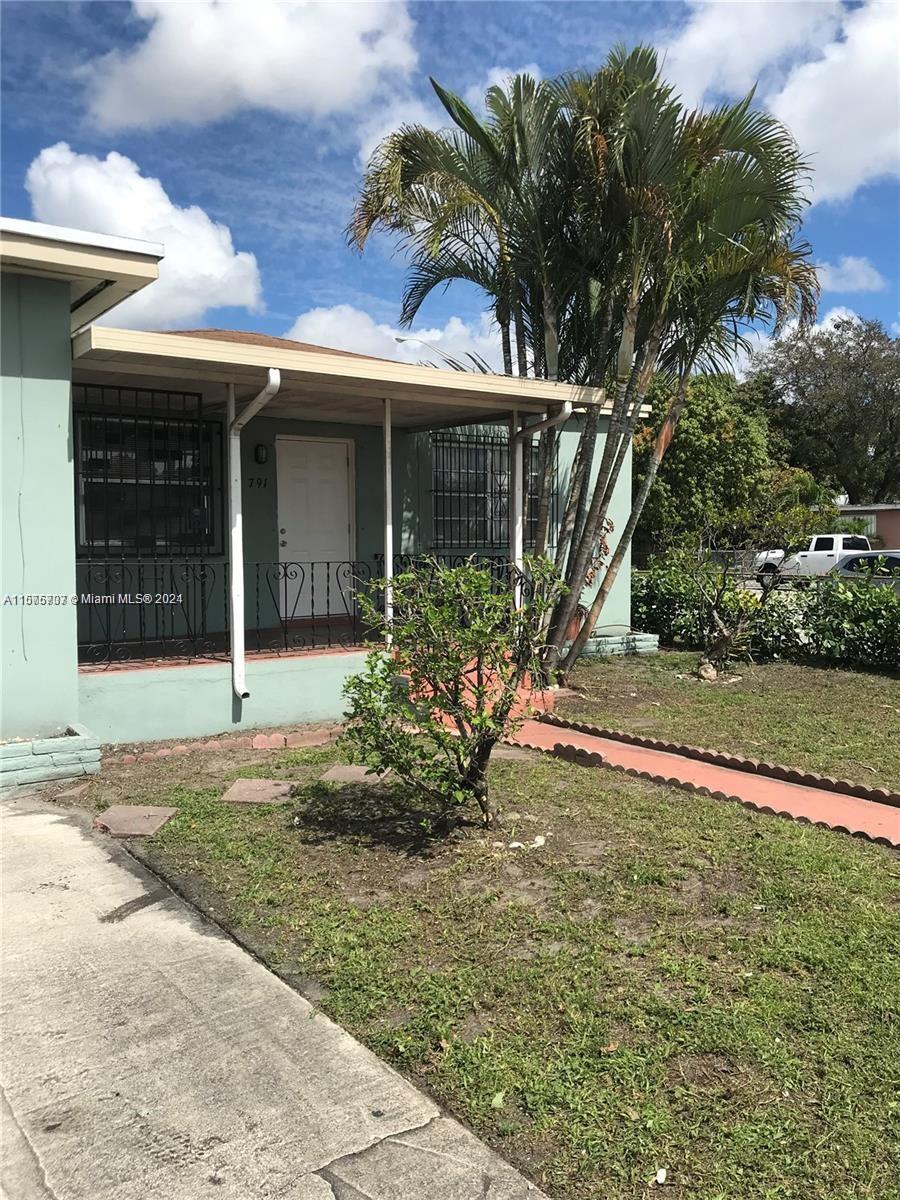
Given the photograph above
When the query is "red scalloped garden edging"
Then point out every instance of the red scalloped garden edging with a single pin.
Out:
(736, 762)
(587, 758)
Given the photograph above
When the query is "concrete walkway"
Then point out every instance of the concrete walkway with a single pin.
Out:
(147, 1057)
(849, 814)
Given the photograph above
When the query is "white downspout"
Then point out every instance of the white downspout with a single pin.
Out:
(388, 521)
(235, 505)
(548, 422)
(516, 506)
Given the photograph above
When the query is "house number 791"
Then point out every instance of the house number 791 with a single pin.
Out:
(258, 481)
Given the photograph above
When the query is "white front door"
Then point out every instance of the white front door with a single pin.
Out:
(315, 525)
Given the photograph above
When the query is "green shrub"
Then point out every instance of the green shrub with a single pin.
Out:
(431, 706)
(843, 623)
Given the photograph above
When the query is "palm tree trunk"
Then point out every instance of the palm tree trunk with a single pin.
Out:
(519, 324)
(539, 345)
(577, 486)
(628, 405)
(572, 525)
(593, 419)
(660, 446)
(579, 559)
(546, 472)
(642, 386)
(551, 337)
(507, 347)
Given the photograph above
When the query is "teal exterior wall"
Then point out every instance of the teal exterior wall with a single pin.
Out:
(38, 643)
(156, 703)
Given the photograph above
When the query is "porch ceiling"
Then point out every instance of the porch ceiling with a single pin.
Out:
(318, 385)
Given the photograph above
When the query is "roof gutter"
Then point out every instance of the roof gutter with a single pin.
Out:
(235, 506)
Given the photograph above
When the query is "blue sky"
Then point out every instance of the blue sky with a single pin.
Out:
(236, 133)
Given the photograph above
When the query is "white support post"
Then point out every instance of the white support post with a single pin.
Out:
(235, 509)
(236, 553)
(516, 514)
(388, 520)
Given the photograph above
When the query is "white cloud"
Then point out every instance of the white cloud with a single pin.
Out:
(201, 268)
(760, 341)
(840, 312)
(727, 44)
(388, 117)
(496, 77)
(201, 61)
(828, 70)
(344, 327)
(850, 274)
(844, 107)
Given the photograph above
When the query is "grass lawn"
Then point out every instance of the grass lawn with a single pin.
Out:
(840, 723)
(669, 981)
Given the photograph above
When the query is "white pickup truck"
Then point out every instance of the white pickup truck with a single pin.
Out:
(815, 557)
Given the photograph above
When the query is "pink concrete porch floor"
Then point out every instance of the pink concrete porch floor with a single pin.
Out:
(862, 818)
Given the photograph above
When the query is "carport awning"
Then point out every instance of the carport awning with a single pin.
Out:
(317, 384)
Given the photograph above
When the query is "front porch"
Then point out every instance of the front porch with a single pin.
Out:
(235, 494)
(146, 612)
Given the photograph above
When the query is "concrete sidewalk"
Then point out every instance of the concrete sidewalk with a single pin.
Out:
(147, 1057)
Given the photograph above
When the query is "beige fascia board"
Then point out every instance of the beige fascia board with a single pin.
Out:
(370, 375)
(83, 267)
(60, 260)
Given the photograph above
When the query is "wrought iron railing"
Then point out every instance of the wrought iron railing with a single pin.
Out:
(164, 609)
(499, 565)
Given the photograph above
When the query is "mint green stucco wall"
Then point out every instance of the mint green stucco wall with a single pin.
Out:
(617, 609)
(38, 667)
(156, 703)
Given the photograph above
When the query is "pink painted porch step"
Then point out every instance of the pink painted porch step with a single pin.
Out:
(866, 818)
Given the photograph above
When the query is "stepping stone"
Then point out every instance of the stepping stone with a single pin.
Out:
(258, 791)
(347, 774)
(513, 753)
(133, 820)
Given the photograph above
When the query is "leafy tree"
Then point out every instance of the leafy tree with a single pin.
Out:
(622, 234)
(790, 507)
(716, 469)
(432, 705)
(721, 474)
(833, 396)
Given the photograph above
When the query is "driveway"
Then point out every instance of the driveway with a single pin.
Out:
(147, 1057)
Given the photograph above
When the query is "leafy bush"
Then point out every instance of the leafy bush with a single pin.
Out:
(432, 704)
(844, 623)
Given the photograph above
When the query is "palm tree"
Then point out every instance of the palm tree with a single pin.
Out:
(711, 203)
(775, 283)
(618, 234)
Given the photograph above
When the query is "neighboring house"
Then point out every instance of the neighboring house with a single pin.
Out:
(167, 481)
(882, 522)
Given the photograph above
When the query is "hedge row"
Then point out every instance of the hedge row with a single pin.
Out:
(855, 624)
